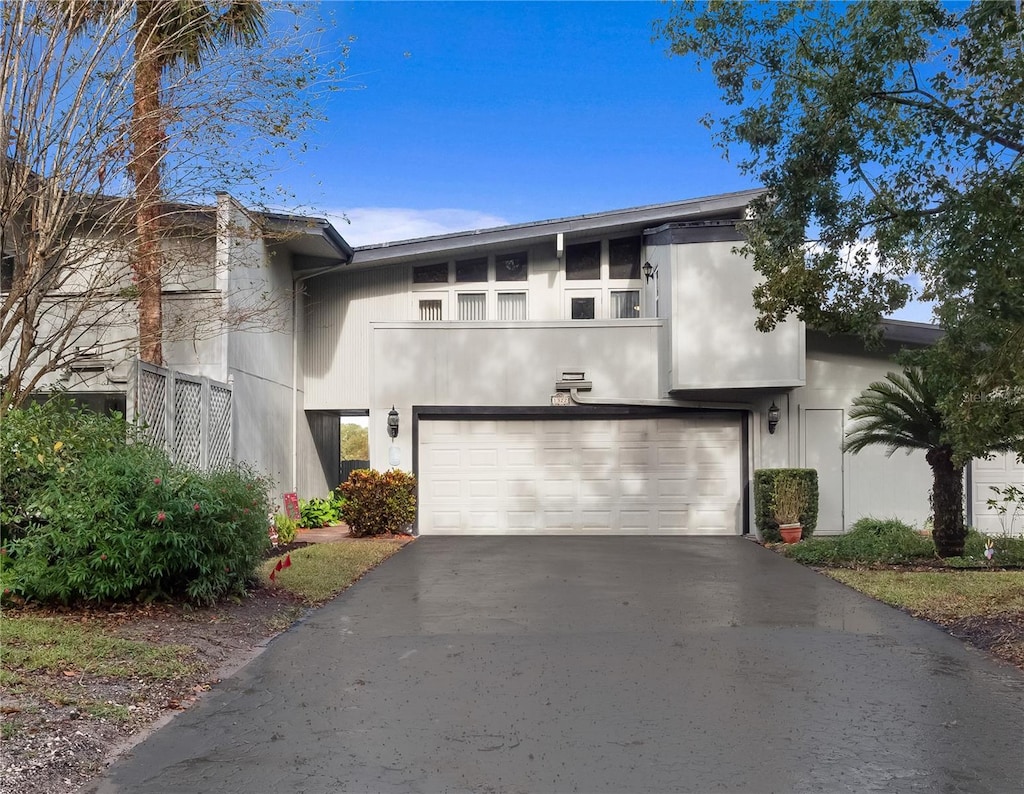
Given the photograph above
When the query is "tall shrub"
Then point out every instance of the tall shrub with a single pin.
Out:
(113, 520)
(378, 502)
(764, 495)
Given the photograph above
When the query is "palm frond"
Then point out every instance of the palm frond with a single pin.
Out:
(900, 412)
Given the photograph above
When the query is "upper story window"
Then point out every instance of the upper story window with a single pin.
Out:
(583, 262)
(510, 267)
(472, 305)
(430, 274)
(431, 309)
(511, 305)
(624, 258)
(625, 303)
(470, 288)
(612, 268)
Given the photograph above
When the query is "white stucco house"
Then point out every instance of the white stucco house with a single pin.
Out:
(599, 374)
(592, 374)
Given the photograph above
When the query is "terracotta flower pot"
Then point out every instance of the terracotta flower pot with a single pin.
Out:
(790, 532)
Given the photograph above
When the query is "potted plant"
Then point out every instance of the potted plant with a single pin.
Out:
(789, 500)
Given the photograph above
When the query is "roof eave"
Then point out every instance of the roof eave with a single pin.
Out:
(576, 225)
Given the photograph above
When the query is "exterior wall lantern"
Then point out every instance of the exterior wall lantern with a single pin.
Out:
(393, 422)
(774, 414)
(650, 271)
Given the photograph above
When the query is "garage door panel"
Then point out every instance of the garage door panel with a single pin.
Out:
(522, 519)
(622, 476)
(520, 456)
(483, 488)
(445, 489)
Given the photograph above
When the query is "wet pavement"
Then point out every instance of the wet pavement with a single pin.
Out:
(597, 665)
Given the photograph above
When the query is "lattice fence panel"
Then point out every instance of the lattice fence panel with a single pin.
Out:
(152, 405)
(188, 416)
(219, 442)
(188, 422)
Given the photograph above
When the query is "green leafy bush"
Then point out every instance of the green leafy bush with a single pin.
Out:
(40, 444)
(113, 520)
(315, 512)
(378, 502)
(286, 528)
(870, 540)
(764, 496)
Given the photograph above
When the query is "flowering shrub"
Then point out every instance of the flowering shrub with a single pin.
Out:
(117, 521)
(378, 502)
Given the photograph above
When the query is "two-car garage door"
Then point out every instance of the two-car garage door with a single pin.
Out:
(664, 475)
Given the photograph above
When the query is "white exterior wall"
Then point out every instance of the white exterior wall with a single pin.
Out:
(258, 354)
(871, 483)
(492, 364)
(714, 342)
(336, 346)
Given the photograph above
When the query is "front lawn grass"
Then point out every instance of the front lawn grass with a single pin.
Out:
(321, 571)
(58, 644)
(941, 596)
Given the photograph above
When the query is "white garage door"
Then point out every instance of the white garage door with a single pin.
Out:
(585, 476)
(1001, 471)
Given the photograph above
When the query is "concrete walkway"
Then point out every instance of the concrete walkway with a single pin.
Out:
(597, 665)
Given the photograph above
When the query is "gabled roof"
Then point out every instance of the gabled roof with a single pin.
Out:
(722, 206)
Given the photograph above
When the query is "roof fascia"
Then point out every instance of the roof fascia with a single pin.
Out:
(578, 225)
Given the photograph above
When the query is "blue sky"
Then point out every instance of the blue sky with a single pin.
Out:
(464, 115)
(508, 112)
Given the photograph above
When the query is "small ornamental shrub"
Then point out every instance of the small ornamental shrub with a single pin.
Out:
(378, 502)
(287, 528)
(869, 541)
(315, 513)
(116, 521)
(764, 495)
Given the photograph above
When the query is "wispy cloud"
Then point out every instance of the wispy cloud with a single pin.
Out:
(368, 225)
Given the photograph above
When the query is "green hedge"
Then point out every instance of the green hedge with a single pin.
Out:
(90, 514)
(764, 485)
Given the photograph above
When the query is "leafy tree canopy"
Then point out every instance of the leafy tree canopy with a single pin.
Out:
(892, 135)
(355, 442)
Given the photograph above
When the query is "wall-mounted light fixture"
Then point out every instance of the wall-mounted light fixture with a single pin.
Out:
(650, 271)
(393, 422)
(774, 414)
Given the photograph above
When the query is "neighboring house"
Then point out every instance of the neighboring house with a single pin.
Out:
(230, 308)
(600, 374)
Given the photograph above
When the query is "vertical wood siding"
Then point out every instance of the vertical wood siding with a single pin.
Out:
(339, 310)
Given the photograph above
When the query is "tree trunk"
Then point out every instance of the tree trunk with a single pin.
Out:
(949, 531)
(147, 135)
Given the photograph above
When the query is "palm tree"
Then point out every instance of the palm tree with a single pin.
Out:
(169, 34)
(902, 412)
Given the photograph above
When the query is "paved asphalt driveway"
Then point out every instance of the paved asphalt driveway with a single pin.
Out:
(597, 664)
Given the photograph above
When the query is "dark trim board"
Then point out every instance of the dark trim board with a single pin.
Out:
(531, 412)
